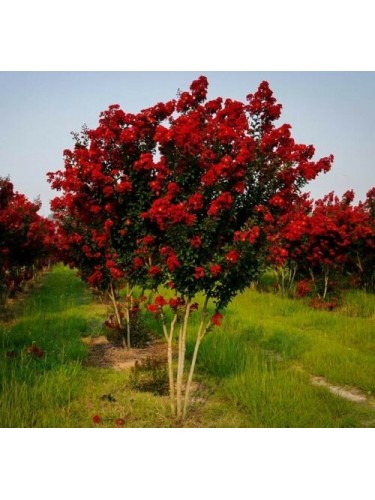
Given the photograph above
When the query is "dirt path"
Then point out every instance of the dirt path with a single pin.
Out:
(350, 393)
(105, 354)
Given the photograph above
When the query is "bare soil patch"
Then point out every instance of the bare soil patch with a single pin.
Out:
(346, 392)
(106, 354)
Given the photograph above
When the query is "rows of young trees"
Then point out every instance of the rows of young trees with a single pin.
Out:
(26, 239)
(196, 196)
(325, 245)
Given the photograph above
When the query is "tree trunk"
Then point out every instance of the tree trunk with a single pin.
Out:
(115, 305)
(181, 359)
(202, 329)
(169, 339)
(325, 284)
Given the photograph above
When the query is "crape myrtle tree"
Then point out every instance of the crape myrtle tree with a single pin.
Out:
(286, 236)
(339, 235)
(178, 196)
(324, 242)
(223, 172)
(27, 240)
(104, 190)
(362, 263)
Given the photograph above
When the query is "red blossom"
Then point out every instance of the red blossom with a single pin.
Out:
(172, 262)
(176, 302)
(303, 288)
(153, 308)
(173, 303)
(160, 301)
(199, 272)
(124, 187)
(232, 257)
(154, 271)
(119, 422)
(215, 270)
(254, 234)
(196, 242)
(222, 203)
(148, 240)
(138, 262)
(216, 319)
(195, 201)
(96, 419)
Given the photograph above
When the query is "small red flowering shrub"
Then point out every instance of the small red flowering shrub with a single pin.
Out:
(303, 288)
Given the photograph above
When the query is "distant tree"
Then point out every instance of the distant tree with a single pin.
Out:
(26, 238)
(325, 241)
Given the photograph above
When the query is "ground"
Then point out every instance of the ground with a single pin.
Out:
(106, 354)
(273, 363)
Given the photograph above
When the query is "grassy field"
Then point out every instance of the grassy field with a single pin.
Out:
(254, 371)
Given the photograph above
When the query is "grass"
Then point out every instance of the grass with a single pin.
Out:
(35, 391)
(269, 347)
(254, 371)
(58, 390)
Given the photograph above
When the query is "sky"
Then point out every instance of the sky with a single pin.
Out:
(334, 111)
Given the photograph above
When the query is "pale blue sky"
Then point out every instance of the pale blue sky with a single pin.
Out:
(334, 111)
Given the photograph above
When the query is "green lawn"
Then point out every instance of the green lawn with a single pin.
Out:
(254, 371)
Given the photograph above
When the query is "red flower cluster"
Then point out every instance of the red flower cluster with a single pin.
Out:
(216, 270)
(303, 288)
(216, 319)
(220, 204)
(196, 241)
(232, 257)
(199, 273)
(160, 301)
(176, 302)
